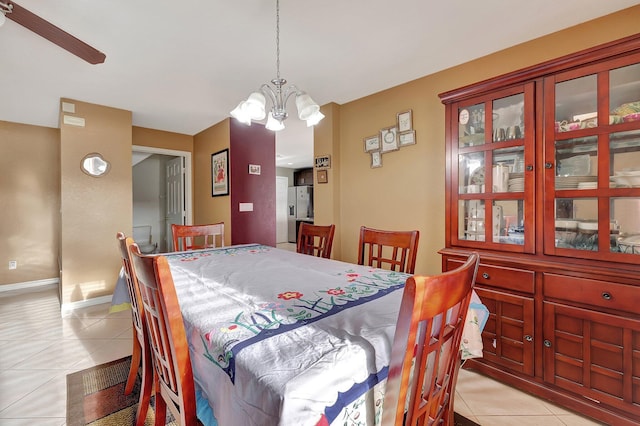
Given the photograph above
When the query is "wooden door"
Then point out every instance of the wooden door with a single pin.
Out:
(593, 354)
(175, 197)
(507, 337)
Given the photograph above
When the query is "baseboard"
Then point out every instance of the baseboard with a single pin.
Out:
(65, 308)
(68, 308)
(30, 284)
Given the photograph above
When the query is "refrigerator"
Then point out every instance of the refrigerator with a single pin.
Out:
(299, 209)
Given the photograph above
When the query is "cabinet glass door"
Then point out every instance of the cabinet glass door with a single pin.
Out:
(593, 164)
(494, 156)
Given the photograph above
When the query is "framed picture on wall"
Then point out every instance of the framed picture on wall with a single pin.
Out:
(376, 159)
(323, 162)
(405, 121)
(220, 173)
(322, 176)
(372, 143)
(407, 138)
(254, 169)
(389, 137)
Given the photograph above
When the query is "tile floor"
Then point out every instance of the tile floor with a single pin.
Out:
(38, 349)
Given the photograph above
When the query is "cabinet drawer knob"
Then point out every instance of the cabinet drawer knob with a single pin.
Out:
(528, 338)
(606, 295)
(547, 343)
(529, 167)
(548, 165)
(485, 276)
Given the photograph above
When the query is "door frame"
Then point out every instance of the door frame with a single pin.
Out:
(187, 187)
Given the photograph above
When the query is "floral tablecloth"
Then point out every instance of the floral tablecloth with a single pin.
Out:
(279, 338)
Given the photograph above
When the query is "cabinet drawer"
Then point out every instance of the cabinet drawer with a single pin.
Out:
(604, 294)
(500, 276)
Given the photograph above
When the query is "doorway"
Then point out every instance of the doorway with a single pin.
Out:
(161, 192)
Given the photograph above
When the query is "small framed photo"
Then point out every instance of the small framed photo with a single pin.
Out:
(254, 169)
(376, 159)
(389, 137)
(372, 143)
(220, 173)
(322, 176)
(405, 121)
(323, 162)
(407, 138)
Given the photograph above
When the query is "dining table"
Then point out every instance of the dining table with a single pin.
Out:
(281, 338)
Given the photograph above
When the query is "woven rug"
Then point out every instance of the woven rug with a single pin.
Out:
(95, 397)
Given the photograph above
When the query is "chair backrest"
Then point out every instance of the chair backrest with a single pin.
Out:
(395, 249)
(173, 374)
(193, 237)
(315, 240)
(137, 311)
(428, 334)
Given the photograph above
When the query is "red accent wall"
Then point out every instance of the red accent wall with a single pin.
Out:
(253, 145)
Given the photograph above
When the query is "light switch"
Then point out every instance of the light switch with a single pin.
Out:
(246, 207)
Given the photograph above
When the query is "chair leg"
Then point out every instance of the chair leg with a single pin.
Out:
(146, 389)
(160, 406)
(135, 364)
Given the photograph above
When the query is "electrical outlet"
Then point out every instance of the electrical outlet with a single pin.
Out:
(13, 264)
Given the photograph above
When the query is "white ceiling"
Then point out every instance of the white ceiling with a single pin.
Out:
(181, 66)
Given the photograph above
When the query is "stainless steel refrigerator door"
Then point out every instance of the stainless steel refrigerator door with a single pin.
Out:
(304, 202)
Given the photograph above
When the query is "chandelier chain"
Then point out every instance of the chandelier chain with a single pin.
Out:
(278, 39)
(255, 107)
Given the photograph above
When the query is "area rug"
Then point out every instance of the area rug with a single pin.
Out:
(95, 397)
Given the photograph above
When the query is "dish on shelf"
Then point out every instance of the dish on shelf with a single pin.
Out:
(627, 178)
(615, 119)
(631, 117)
(588, 185)
(516, 184)
(591, 226)
(630, 244)
(565, 224)
(588, 225)
(572, 182)
(627, 109)
(578, 165)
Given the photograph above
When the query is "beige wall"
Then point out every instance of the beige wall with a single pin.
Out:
(30, 200)
(407, 192)
(208, 209)
(93, 210)
(326, 206)
(161, 139)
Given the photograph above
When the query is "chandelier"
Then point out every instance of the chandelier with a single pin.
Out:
(254, 107)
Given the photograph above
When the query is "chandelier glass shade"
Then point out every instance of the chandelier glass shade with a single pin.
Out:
(254, 108)
(4, 9)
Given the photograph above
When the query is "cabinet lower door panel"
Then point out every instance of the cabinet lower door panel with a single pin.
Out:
(593, 354)
(507, 336)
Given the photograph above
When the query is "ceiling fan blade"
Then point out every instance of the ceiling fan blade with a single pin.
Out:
(54, 34)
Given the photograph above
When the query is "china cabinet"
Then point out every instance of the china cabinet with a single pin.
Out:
(543, 180)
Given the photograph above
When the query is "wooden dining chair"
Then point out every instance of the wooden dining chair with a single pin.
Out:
(315, 240)
(425, 356)
(173, 378)
(394, 249)
(141, 354)
(193, 237)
